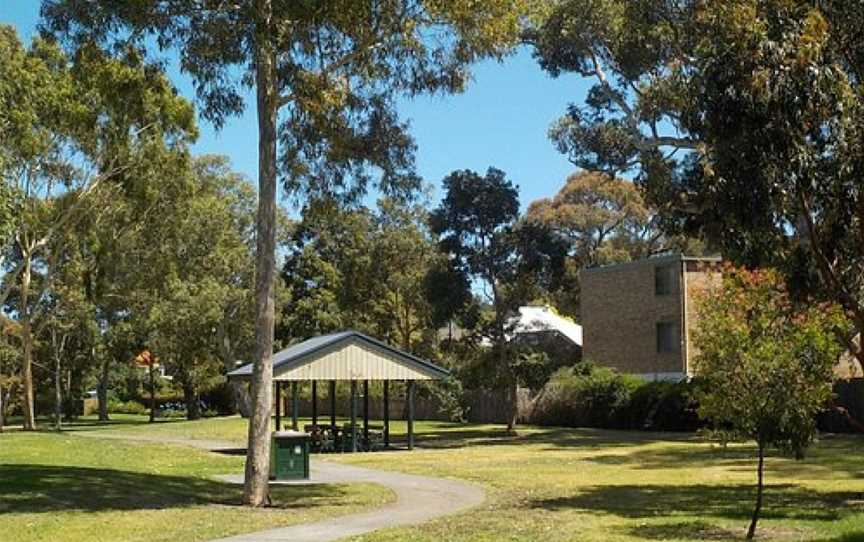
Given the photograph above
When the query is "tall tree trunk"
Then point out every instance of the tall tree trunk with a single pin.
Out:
(58, 393)
(152, 373)
(190, 397)
(751, 532)
(510, 384)
(512, 397)
(256, 488)
(27, 343)
(102, 389)
(239, 390)
(242, 398)
(58, 345)
(2, 405)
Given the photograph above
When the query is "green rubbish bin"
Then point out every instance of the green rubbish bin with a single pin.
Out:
(289, 455)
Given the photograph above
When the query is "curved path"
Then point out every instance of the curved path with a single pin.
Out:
(418, 499)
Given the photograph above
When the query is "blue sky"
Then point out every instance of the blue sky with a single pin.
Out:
(500, 121)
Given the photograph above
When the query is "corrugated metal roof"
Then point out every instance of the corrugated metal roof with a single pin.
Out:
(539, 319)
(310, 350)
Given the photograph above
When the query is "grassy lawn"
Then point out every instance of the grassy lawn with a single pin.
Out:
(557, 485)
(62, 487)
(545, 484)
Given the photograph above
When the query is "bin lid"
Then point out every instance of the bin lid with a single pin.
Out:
(287, 434)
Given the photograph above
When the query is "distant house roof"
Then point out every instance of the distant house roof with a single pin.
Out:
(534, 319)
(347, 355)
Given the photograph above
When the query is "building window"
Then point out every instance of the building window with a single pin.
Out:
(664, 277)
(667, 337)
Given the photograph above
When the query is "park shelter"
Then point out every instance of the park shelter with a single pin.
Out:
(347, 356)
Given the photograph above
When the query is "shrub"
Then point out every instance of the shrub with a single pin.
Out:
(116, 406)
(220, 399)
(583, 396)
(591, 396)
(448, 395)
(662, 406)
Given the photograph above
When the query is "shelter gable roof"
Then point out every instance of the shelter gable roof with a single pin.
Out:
(308, 351)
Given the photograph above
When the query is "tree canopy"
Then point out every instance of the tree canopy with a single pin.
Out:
(741, 120)
(478, 229)
(599, 220)
(326, 77)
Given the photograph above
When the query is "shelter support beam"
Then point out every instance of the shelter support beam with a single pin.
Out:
(315, 402)
(411, 390)
(366, 414)
(353, 415)
(386, 413)
(278, 406)
(333, 404)
(295, 404)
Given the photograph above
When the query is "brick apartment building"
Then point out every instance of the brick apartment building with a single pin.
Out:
(637, 317)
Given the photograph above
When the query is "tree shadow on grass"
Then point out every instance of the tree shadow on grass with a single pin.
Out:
(786, 501)
(691, 530)
(78, 426)
(48, 488)
(546, 438)
(846, 537)
(831, 456)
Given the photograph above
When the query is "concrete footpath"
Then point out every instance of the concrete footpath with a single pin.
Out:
(418, 499)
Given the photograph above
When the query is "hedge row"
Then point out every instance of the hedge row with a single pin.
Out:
(590, 396)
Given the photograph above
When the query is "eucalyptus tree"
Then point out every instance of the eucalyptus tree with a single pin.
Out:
(68, 331)
(10, 359)
(74, 125)
(202, 280)
(325, 78)
(354, 267)
(741, 120)
(601, 220)
(403, 254)
(327, 271)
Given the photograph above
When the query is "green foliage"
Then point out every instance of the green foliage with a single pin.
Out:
(481, 239)
(663, 406)
(81, 134)
(583, 396)
(200, 279)
(338, 67)
(448, 394)
(599, 220)
(362, 269)
(586, 395)
(126, 407)
(740, 119)
(637, 53)
(767, 363)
